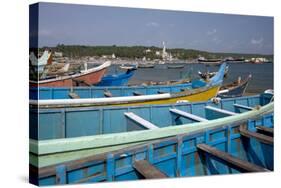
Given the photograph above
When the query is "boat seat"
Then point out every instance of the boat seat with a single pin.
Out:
(243, 106)
(73, 95)
(140, 120)
(222, 111)
(147, 170)
(260, 137)
(187, 115)
(108, 94)
(230, 159)
(161, 92)
(136, 93)
(265, 129)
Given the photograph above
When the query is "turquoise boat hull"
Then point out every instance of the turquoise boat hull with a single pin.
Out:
(76, 122)
(117, 80)
(178, 156)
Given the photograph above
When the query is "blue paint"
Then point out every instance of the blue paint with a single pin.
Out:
(98, 92)
(176, 156)
(61, 174)
(116, 79)
(67, 123)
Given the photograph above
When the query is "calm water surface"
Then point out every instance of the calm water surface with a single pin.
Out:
(262, 74)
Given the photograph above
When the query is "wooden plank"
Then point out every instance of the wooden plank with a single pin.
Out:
(260, 137)
(140, 120)
(147, 170)
(265, 129)
(243, 106)
(221, 110)
(73, 95)
(187, 115)
(233, 161)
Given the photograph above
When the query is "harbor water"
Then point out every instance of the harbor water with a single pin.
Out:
(262, 74)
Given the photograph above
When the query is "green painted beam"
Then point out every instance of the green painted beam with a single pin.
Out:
(54, 151)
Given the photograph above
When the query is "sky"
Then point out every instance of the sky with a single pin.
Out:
(96, 25)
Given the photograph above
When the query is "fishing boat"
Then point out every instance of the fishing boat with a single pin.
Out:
(112, 91)
(117, 79)
(85, 77)
(127, 67)
(208, 74)
(235, 89)
(147, 66)
(189, 95)
(60, 135)
(175, 66)
(232, 148)
(209, 62)
(235, 60)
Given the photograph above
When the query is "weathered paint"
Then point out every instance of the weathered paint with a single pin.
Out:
(67, 123)
(90, 77)
(55, 150)
(175, 156)
(200, 94)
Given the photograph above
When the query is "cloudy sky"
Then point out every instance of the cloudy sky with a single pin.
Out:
(93, 25)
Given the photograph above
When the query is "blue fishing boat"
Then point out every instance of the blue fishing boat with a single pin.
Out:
(113, 91)
(228, 149)
(235, 89)
(117, 79)
(61, 135)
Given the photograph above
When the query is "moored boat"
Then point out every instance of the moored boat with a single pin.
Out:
(147, 65)
(175, 66)
(86, 77)
(117, 79)
(235, 89)
(189, 95)
(109, 128)
(229, 149)
(99, 92)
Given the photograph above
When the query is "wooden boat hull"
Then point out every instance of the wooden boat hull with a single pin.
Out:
(116, 80)
(235, 91)
(178, 156)
(86, 79)
(99, 92)
(98, 130)
(194, 95)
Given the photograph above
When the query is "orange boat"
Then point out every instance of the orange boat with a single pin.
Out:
(84, 78)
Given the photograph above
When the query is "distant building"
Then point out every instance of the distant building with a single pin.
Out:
(147, 50)
(166, 55)
(157, 53)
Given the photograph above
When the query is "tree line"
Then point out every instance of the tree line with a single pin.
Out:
(133, 52)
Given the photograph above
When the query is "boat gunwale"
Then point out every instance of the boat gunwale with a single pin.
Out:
(75, 109)
(50, 170)
(132, 99)
(36, 146)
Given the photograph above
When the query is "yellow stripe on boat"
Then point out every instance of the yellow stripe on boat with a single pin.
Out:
(193, 95)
